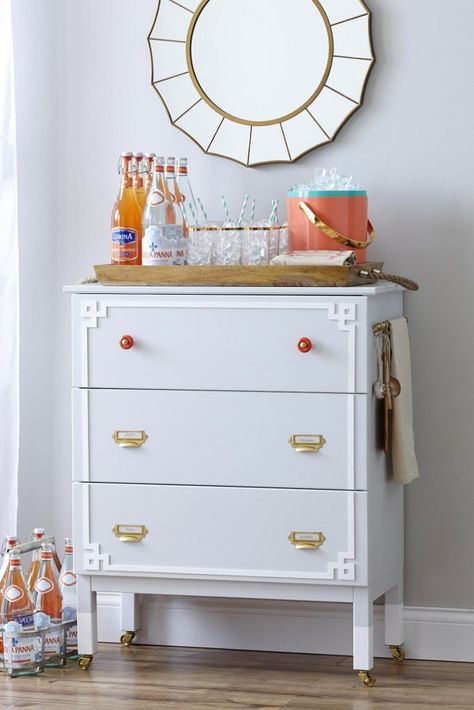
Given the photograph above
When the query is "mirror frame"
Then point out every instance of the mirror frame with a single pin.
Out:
(329, 136)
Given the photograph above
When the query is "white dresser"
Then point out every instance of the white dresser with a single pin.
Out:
(225, 445)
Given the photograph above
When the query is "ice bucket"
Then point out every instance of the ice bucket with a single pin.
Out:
(329, 219)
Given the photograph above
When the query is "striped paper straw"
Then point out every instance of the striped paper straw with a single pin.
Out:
(226, 209)
(275, 211)
(194, 216)
(270, 219)
(184, 212)
(241, 215)
(201, 206)
(252, 211)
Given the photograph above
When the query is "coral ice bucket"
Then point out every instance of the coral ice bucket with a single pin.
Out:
(330, 220)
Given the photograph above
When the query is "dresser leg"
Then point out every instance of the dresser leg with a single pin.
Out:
(363, 629)
(394, 620)
(86, 617)
(130, 618)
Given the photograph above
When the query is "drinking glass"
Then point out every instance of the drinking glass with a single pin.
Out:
(227, 245)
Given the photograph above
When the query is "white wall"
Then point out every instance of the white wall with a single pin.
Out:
(410, 145)
(34, 56)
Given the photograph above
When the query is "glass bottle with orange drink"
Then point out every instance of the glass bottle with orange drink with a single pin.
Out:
(10, 542)
(17, 605)
(33, 570)
(137, 180)
(47, 598)
(126, 219)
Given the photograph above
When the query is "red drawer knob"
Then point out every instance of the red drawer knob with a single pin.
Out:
(304, 345)
(126, 342)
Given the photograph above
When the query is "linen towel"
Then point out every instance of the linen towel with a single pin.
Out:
(316, 257)
(405, 466)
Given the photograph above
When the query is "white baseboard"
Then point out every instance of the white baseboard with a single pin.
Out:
(430, 633)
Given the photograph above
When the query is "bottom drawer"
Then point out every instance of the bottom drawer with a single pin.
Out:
(221, 532)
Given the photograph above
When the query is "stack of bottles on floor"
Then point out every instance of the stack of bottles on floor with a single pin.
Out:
(42, 601)
(153, 210)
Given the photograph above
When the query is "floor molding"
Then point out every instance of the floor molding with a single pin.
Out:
(430, 633)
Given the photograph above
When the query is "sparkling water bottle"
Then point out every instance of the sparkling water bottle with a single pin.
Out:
(68, 587)
(164, 243)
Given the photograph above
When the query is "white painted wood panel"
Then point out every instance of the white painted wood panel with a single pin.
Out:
(220, 343)
(220, 532)
(221, 438)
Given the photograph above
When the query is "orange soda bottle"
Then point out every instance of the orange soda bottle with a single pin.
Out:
(33, 569)
(137, 180)
(126, 220)
(46, 594)
(47, 599)
(17, 605)
(9, 542)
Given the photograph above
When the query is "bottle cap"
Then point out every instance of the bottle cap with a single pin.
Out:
(149, 156)
(12, 540)
(39, 532)
(183, 161)
(127, 155)
(139, 156)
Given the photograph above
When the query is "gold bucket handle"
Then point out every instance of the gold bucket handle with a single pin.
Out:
(330, 232)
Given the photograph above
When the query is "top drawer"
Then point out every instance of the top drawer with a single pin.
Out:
(220, 343)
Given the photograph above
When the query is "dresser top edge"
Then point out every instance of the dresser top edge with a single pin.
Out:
(369, 290)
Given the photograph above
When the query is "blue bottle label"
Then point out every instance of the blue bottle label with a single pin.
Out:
(124, 244)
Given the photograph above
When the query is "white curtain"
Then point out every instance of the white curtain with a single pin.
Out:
(9, 297)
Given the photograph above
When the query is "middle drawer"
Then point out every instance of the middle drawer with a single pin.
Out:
(290, 440)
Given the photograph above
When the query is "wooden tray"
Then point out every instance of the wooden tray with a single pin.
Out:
(118, 274)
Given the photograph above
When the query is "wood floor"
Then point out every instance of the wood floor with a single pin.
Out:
(146, 677)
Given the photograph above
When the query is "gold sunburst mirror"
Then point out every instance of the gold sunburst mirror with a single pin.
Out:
(261, 81)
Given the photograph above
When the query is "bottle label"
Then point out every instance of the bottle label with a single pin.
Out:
(53, 642)
(164, 246)
(69, 579)
(44, 585)
(155, 198)
(25, 620)
(124, 244)
(14, 593)
(71, 638)
(20, 653)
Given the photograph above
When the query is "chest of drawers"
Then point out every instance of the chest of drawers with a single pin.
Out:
(225, 444)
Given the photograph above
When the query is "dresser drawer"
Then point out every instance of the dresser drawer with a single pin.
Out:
(220, 438)
(221, 532)
(206, 343)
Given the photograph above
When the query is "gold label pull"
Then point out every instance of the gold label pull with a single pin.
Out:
(306, 540)
(129, 439)
(130, 533)
(307, 442)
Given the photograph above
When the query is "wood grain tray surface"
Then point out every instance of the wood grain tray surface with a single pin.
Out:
(119, 274)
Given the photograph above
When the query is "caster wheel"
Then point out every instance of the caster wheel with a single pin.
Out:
(127, 638)
(367, 678)
(84, 662)
(398, 653)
